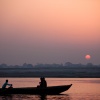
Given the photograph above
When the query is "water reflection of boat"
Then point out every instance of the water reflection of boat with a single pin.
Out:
(36, 90)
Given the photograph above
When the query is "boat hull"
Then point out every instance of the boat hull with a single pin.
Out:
(37, 90)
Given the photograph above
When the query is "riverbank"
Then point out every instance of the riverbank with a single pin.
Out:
(64, 72)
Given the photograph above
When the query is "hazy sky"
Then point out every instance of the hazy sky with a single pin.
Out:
(49, 31)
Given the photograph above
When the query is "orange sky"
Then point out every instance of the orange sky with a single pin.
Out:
(49, 31)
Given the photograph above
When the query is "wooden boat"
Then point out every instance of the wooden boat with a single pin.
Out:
(52, 90)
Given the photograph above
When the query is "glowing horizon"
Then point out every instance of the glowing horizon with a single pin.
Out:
(49, 31)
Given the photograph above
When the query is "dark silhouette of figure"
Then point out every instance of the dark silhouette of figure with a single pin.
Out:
(43, 82)
(10, 87)
(5, 84)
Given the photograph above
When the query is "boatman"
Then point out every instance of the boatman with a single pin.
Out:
(43, 82)
(5, 84)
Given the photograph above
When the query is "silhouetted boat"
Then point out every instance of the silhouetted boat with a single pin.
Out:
(37, 90)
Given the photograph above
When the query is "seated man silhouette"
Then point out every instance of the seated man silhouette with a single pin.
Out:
(5, 84)
(43, 82)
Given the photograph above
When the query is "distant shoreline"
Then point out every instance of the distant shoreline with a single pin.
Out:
(52, 72)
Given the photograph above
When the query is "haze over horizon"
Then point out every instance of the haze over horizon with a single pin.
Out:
(49, 31)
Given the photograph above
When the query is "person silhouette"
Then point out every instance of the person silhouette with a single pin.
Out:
(43, 82)
(5, 84)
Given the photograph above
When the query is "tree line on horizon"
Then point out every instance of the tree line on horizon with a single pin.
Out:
(67, 64)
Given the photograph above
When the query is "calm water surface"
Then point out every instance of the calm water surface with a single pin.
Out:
(82, 88)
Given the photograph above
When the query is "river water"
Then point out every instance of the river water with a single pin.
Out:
(82, 88)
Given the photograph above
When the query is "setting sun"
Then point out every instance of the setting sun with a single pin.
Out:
(87, 57)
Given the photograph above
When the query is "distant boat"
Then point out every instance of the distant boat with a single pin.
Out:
(52, 90)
